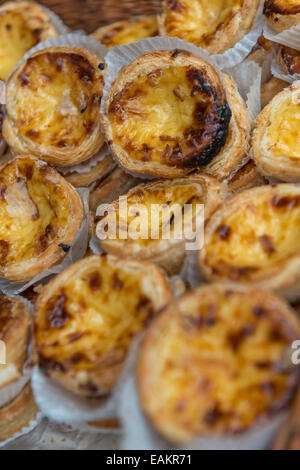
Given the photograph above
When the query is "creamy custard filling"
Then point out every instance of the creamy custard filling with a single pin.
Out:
(258, 235)
(219, 365)
(196, 20)
(148, 213)
(58, 99)
(120, 35)
(16, 38)
(283, 131)
(170, 116)
(92, 315)
(34, 211)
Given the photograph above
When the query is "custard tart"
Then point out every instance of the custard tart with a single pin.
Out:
(164, 214)
(216, 362)
(14, 334)
(53, 105)
(282, 14)
(270, 89)
(87, 316)
(215, 25)
(40, 214)
(22, 26)
(289, 59)
(254, 237)
(275, 142)
(127, 31)
(118, 182)
(168, 113)
(18, 414)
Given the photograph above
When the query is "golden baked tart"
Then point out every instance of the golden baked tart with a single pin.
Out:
(275, 142)
(127, 31)
(246, 177)
(118, 182)
(254, 237)
(215, 25)
(289, 59)
(168, 113)
(162, 233)
(260, 50)
(216, 362)
(96, 171)
(14, 333)
(40, 214)
(87, 316)
(22, 26)
(53, 104)
(270, 89)
(18, 414)
(282, 14)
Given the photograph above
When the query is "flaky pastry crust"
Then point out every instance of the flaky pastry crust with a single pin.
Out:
(275, 136)
(14, 332)
(215, 25)
(224, 364)
(289, 60)
(245, 178)
(253, 237)
(168, 114)
(40, 215)
(18, 414)
(86, 317)
(127, 31)
(193, 191)
(270, 89)
(118, 182)
(22, 25)
(53, 104)
(282, 14)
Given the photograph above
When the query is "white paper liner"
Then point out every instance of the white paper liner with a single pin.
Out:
(62, 406)
(95, 245)
(88, 165)
(138, 433)
(241, 49)
(72, 39)
(76, 252)
(289, 37)
(247, 75)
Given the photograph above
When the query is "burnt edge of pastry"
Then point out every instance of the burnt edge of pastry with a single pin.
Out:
(289, 59)
(271, 7)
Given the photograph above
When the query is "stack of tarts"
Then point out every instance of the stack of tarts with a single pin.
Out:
(17, 406)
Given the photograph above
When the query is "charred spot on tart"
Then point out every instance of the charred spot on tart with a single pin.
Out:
(4, 249)
(223, 231)
(58, 101)
(56, 313)
(267, 244)
(94, 281)
(280, 7)
(64, 247)
(285, 202)
(199, 123)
